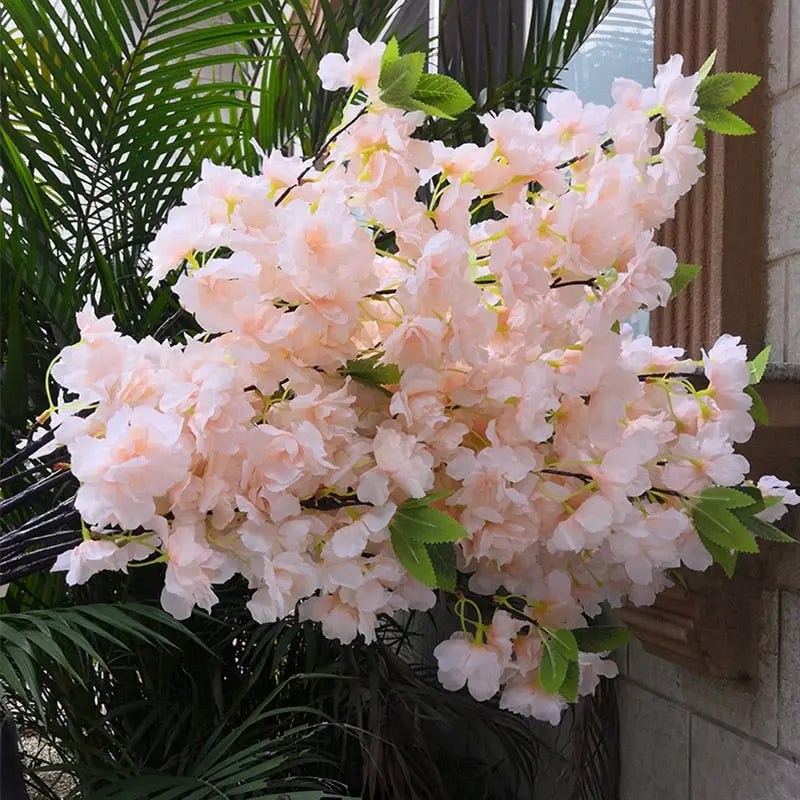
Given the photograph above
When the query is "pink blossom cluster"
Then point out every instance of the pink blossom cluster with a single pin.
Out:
(494, 277)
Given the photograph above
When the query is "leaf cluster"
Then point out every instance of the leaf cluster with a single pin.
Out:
(559, 670)
(403, 84)
(133, 704)
(725, 519)
(371, 371)
(422, 538)
(716, 93)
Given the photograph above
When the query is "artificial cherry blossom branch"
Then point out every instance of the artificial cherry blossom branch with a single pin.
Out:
(321, 152)
(589, 479)
(232, 483)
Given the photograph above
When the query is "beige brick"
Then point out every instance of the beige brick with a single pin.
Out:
(749, 706)
(729, 767)
(793, 298)
(789, 690)
(654, 740)
(783, 187)
(778, 53)
(794, 44)
(776, 310)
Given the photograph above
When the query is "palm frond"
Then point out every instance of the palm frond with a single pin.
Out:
(40, 644)
(84, 86)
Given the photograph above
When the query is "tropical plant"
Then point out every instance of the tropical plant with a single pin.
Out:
(130, 704)
(108, 109)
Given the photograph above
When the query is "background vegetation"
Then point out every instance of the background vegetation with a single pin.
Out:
(108, 108)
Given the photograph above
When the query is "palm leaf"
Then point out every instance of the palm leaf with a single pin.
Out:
(67, 640)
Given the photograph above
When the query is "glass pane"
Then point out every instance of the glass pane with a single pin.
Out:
(620, 47)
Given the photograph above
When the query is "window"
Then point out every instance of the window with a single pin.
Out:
(621, 47)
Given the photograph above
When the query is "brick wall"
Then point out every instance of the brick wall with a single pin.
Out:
(688, 737)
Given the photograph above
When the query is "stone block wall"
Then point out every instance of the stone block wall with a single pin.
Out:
(689, 737)
(783, 183)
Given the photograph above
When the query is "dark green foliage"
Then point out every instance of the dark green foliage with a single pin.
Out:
(223, 702)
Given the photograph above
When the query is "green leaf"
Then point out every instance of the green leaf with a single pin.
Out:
(707, 65)
(699, 140)
(429, 499)
(601, 638)
(715, 523)
(754, 493)
(677, 576)
(728, 497)
(764, 530)
(426, 524)
(569, 686)
(390, 54)
(724, 89)
(721, 555)
(441, 96)
(422, 539)
(370, 372)
(720, 120)
(684, 275)
(23, 175)
(399, 79)
(413, 555)
(443, 559)
(758, 365)
(564, 641)
(553, 667)
(758, 411)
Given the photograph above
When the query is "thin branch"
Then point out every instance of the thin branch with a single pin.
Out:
(332, 502)
(647, 375)
(34, 561)
(605, 144)
(26, 452)
(162, 329)
(36, 468)
(322, 150)
(565, 474)
(559, 284)
(47, 539)
(42, 527)
(589, 479)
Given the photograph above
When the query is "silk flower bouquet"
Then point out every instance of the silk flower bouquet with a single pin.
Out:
(415, 377)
